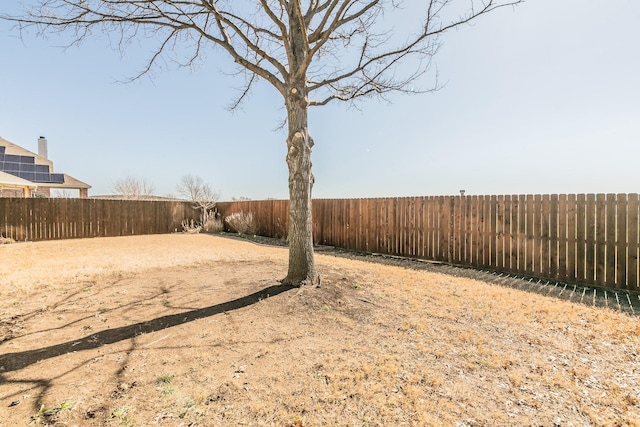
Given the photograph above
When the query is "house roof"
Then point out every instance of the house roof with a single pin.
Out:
(69, 182)
(10, 181)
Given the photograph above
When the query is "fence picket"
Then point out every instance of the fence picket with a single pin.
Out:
(522, 236)
(610, 255)
(431, 227)
(493, 231)
(562, 238)
(621, 241)
(571, 237)
(632, 254)
(513, 234)
(545, 237)
(473, 230)
(506, 233)
(554, 212)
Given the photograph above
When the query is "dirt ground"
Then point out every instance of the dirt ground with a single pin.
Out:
(195, 330)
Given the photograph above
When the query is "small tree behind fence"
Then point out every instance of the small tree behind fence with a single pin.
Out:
(48, 219)
(587, 239)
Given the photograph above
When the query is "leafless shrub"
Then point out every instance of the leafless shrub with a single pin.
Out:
(62, 194)
(6, 240)
(241, 223)
(190, 227)
(213, 225)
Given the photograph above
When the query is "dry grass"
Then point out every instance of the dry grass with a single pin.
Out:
(378, 345)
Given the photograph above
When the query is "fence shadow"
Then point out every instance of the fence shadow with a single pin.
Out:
(19, 360)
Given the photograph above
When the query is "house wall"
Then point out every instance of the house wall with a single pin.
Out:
(11, 193)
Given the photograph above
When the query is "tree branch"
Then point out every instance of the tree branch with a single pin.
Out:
(366, 77)
(344, 48)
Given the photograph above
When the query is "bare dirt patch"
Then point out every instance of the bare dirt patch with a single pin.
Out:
(196, 330)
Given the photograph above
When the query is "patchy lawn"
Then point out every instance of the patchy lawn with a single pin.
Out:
(195, 330)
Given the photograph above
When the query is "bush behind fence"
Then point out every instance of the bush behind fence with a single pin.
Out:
(49, 219)
(590, 239)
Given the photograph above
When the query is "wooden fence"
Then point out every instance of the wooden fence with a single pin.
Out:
(586, 239)
(49, 219)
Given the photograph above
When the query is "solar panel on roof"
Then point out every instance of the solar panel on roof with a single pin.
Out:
(11, 167)
(42, 168)
(27, 159)
(42, 177)
(57, 178)
(2, 149)
(27, 167)
(11, 158)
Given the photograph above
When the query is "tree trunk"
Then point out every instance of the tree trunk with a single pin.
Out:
(299, 144)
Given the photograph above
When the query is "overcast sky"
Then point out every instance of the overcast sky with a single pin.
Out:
(543, 98)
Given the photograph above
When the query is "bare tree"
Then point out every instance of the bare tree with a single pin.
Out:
(62, 194)
(133, 188)
(200, 193)
(312, 52)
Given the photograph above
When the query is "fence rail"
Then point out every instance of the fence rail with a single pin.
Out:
(590, 239)
(50, 219)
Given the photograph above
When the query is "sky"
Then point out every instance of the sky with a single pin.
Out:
(543, 98)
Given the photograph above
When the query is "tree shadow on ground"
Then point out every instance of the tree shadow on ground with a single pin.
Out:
(19, 319)
(19, 360)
